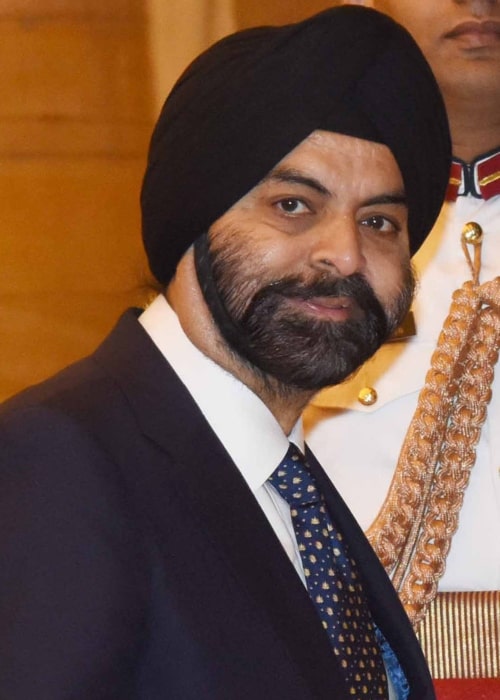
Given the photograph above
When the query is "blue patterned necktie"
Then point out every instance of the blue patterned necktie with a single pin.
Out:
(332, 579)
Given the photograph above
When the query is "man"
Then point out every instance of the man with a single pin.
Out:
(461, 41)
(147, 541)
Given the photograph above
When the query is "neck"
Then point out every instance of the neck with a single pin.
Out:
(186, 298)
(286, 404)
(474, 126)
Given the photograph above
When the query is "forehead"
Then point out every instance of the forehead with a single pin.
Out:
(343, 162)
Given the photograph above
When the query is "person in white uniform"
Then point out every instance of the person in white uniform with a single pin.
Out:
(461, 41)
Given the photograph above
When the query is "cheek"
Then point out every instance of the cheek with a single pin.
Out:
(277, 258)
(387, 274)
(244, 266)
(270, 257)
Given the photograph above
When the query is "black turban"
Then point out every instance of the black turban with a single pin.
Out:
(250, 99)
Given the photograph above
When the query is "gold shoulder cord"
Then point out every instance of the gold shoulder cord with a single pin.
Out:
(414, 529)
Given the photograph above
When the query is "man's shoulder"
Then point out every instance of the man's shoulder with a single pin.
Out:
(46, 424)
(55, 434)
(69, 386)
(57, 405)
(77, 384)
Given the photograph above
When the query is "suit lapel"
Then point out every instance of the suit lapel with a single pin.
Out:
(232, 520)
(194, 463)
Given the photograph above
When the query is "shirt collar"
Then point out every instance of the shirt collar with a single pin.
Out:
(242, 422)
(480, 178)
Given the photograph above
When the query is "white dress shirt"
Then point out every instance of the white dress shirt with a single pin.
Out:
(242, 422)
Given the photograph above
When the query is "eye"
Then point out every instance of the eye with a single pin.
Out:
(381, 223)
(292, 206)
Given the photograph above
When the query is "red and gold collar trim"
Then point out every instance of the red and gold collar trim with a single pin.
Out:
(481, 178)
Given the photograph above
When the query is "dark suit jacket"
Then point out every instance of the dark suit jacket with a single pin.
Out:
(136, 563)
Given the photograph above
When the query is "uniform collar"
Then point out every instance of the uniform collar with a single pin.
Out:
(480, 178)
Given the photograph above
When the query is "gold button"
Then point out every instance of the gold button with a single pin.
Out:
(472, 233)
(367, 396)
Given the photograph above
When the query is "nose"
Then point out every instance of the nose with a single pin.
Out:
(337, 246)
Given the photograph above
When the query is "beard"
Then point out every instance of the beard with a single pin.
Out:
(281, 342)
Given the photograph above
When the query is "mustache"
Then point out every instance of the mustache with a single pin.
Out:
(354, 286)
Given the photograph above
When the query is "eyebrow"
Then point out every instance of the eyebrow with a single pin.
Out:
(398, 197)
(295, 177)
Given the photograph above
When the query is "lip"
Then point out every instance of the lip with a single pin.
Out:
(476, 34)
(330, 308)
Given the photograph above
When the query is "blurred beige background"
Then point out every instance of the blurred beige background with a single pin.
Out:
(82, 83)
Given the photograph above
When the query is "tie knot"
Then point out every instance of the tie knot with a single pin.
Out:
(293, 480)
